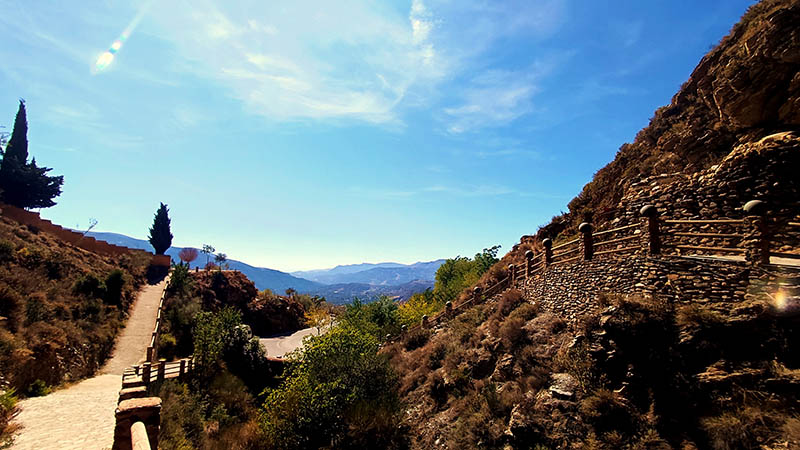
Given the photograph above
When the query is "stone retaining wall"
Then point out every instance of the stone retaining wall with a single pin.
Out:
(572, 290)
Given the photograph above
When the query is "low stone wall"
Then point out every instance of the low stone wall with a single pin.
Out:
(77, 239)
(572, 290)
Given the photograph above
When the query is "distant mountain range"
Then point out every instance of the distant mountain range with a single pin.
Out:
(381, 274)
(338, 285)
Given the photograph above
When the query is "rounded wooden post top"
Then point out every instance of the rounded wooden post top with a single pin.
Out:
(548, 243)
(648, 211)
(510, 267)
(585, 227)
(755, 208)
(529, 255)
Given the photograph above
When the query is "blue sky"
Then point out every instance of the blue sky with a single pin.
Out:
(306, 134)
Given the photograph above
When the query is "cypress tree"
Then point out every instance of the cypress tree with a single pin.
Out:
(24, 184)
(160, 235)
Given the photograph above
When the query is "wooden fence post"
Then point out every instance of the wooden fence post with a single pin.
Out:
(653, 232)
(511, 273)
(588, 244)
(161, 368)
(182, 370)
(476, 295)
(424, 321)
(448, 308)
(146, 367)
(548, 251)
(757, 236)
(150, 353)
(528, 263)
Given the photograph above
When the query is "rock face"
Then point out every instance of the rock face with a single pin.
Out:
(745, 88)
(266, 316)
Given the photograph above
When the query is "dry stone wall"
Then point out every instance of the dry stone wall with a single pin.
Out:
(764, 170)
(573, 290)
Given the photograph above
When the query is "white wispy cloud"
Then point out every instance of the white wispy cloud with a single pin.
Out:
(307, 59)
(312, 59)
(494, 98)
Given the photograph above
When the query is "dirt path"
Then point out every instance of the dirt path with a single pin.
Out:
(281, 344)
(82, 416)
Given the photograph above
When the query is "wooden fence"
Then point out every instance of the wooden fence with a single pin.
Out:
(752, 238)
(146, 373)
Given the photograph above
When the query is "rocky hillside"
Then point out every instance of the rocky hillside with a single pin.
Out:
(60, 307)
(746, 88)
(641, 371)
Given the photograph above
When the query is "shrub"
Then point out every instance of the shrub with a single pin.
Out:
(54, 265)
(416, 338)
(10, 307)
(337, 391)
(511, 332)
(88, 285)
(29, 257)
(36, 309)
(181, 280)
(8, 410)
(509, 301)
(114, 283)
(6, 250)
(38, 389)
(607, 412)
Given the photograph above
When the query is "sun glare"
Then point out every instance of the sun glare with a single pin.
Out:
(103, 61)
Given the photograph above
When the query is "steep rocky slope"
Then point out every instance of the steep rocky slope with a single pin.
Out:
(642, 372)
(746, 88)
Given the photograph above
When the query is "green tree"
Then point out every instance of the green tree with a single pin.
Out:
(461, 272)
(160, 235)
(338, 393)
(23, 184)
(208, 250)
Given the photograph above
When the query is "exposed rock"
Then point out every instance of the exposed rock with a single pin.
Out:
(563, 386)
(504, 367)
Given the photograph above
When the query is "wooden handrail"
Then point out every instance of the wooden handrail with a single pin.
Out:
(794, 224)
(710, 235)
(614, 230)
(710, 249)
(617, 250)
(566, 252)
(785, 255)
(565, 244)
(614, 241)
(563, 261)
(705, 222)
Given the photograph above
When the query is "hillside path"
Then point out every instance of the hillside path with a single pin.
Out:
(81, 416)
(281, 344)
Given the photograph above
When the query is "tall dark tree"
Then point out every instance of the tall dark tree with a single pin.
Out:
(160, 235)
(24, 184)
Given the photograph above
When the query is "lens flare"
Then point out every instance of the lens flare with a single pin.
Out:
(779, 301)
(106, 58)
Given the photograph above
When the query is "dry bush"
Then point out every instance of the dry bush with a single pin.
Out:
(608, 412)
(695, 317)
(747, 427)
(416, 338)
(511, 332)
(791, 431)
(509, 300)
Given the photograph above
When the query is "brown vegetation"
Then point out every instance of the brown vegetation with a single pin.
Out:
(60, 307)
(638, 375)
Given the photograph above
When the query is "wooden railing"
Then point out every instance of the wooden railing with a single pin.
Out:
(152, 348)
(750, 237)
(146, 373)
